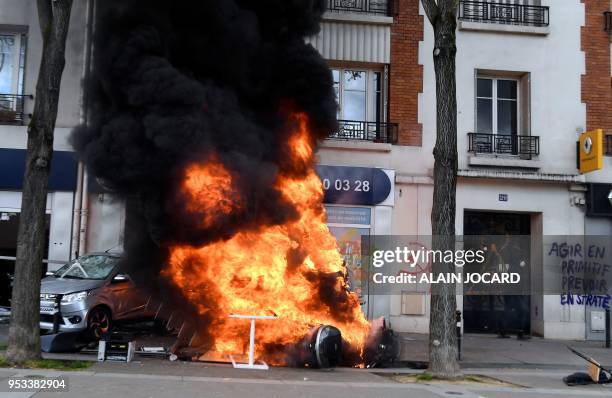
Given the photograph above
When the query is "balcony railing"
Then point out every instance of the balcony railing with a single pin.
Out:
(503, 13)
(12, 108)
(524, 145)
(355, 130)
(379, 7)
(608, 145)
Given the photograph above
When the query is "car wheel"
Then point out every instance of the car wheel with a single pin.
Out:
(99, 321)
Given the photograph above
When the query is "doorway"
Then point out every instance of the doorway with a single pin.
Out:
(498, 313)
(9, 226)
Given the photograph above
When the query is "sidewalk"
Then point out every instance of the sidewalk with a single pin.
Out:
(479, 351)
(488, 351)
(148, 377)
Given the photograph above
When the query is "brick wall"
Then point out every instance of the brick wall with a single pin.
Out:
(405, 73)
(597, 82)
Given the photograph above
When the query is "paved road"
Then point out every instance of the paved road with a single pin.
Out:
(194, 380)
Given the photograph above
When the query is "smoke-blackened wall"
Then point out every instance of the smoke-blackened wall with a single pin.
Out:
(179, 82)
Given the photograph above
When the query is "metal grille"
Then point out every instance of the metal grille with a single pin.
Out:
(528, 145)
(503, 13)
(380, 7)
(12, 108)
(366, 131)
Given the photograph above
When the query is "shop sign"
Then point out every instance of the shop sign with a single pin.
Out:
(355, 185)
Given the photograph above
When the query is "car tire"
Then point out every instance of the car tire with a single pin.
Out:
(99, 321)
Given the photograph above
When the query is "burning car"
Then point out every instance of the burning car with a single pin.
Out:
(89, 294)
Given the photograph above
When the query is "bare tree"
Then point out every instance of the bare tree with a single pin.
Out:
(442, 337)
(24, 334)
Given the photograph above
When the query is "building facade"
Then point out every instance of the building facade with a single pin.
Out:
(531, 76)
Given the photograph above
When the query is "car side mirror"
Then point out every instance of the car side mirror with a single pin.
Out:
(121, 278)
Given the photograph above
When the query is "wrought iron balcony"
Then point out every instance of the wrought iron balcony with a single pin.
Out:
(503, 13)
(12, 108)
(524, 145)
(356, 130)
(608, 145)
(379, 7)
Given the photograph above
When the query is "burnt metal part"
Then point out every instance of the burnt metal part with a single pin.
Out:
(320, 348)
(383, 351)
(328, 346)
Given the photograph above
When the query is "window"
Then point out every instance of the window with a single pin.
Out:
(12, 70)
(502, 115)
(497, 106)
(87, 267)
(380, 7)
(12, 65)
(359, 94)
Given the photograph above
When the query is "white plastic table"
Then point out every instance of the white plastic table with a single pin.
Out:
(251, 364)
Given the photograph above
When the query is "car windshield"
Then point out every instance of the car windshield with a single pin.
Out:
(87, 267)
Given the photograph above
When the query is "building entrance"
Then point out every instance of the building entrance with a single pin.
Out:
(501, 314)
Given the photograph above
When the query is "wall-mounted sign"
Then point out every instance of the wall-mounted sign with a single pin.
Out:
(354, 185)
(590, 151)
(503, 197)
(349, 215)
(63, 170)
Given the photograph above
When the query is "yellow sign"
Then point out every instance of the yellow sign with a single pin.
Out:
(591, 150)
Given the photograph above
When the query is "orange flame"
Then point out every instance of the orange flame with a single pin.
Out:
(209, 191)
(292, 270)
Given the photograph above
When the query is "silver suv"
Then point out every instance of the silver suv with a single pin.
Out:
(89, 294)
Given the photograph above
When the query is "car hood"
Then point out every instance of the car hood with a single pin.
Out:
(66, 285)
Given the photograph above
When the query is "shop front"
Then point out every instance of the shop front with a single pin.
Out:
(59, 211)
(359, 202)
(598, 222)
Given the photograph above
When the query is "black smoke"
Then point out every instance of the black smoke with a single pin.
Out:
(173, 82)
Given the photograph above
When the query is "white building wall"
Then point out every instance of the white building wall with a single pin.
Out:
(555, 63)
(21, 16)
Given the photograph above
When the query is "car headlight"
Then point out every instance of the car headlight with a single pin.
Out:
(74, 297)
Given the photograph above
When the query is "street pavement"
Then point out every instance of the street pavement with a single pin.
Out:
(159, 378)
(532, 368)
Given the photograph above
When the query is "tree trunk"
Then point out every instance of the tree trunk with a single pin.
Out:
(442, 330)
(24, 333)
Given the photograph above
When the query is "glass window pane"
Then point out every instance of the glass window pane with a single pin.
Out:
(378, 117)
(336, 79)
(506, 89)
(354, 105)
(336, 76)
(22, 54)
(7, 43)
(354, 80)
(506, 117)
(484, 120)
(484, 88)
